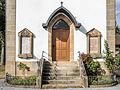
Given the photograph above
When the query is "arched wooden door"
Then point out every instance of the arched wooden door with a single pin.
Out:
(60, 41)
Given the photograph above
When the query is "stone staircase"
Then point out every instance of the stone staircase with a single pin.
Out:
(61, 75)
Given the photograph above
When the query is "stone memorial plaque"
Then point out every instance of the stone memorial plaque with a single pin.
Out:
(93, 44)
(25, 45)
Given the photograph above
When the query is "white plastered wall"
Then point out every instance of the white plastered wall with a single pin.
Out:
(31, 14)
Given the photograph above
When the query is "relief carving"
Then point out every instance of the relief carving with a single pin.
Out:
(94, 33)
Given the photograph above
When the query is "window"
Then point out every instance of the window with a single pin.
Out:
(94, 42)
(60, 24)
(25, 43)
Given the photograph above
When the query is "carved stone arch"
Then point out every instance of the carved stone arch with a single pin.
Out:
(57, 17)
(62, 9)
(72, 27)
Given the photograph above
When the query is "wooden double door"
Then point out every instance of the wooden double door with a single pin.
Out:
(61, 44)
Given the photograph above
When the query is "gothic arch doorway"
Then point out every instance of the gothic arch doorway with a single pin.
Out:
(60, 41)
(64, 35)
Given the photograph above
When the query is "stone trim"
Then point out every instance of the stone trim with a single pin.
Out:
(110, 4)
(62, 9)
(72, 28)
(25, 33)
(33, 69)
(91, 34)
(94, 33)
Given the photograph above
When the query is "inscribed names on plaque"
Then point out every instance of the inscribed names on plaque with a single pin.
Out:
(93, 44)
(25, 45)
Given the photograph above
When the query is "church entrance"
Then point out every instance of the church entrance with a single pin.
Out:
(61, 25)
(60, 41)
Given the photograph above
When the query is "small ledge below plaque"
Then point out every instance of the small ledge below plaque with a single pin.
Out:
(25, 56)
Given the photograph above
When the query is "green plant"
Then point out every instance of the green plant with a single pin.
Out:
(92, 67)
(23, 67)
(109, 59)
(2, 15)
(99, 80)
(94, 71)
(2, 40)
(16, 80)
(117, 61)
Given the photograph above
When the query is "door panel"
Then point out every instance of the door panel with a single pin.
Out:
(60, 45)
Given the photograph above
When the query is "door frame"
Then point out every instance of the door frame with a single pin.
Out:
(72, 28)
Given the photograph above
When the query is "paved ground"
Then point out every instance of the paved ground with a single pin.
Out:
(4, 87)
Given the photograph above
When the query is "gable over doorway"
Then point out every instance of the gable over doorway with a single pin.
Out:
(61, 25)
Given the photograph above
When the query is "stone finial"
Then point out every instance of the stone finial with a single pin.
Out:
(61, 3)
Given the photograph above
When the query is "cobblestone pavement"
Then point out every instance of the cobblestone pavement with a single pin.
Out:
(5, 87)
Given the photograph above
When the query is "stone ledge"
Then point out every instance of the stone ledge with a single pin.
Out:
(104, 85)
(21, 86)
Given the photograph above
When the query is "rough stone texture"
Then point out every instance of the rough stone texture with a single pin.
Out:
(10, 36)
(61, 75)
(33, 69)
(104, 67)
(111, 24)
(117, 37)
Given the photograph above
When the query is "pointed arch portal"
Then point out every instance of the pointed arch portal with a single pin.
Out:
(61, 25)
(60, 41)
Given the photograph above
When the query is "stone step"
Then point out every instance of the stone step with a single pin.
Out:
(61, 74)
(57, 86)
(67, 65)
(61, 81)
(65, 62)
(61, 78)
(61, 67)
(60, 70)
(70, 64)
(62, 64)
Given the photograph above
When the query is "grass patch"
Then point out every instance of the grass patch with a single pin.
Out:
(2, 71)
